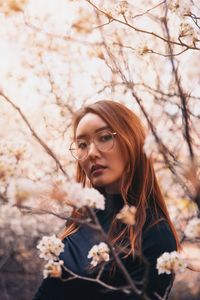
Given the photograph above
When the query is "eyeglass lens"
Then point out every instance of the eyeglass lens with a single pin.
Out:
(103, 141)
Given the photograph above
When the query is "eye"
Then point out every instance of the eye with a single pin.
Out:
(105, 137)
(81, 144)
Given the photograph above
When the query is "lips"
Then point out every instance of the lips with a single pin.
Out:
(95, 168)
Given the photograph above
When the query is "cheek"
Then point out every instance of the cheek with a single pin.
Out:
(121, 161)
(119, 169)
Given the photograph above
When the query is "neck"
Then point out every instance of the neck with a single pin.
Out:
(113, 189)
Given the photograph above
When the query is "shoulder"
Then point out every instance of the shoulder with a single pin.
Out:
(158, 239)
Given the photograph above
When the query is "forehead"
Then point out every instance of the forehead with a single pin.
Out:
(89, 124)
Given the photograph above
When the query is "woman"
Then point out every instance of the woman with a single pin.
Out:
(108, 146)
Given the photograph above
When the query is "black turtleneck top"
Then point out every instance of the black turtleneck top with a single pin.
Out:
(156, 240)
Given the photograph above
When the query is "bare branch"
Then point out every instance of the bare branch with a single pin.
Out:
(117, 260)
(182, 96)
(142, 30)
(35, 135)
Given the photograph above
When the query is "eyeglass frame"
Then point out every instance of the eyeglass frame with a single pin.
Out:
(92, 140)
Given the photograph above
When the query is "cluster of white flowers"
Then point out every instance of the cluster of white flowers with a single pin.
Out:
(187, 33)
(78, 196)
(186, 29)
(9, 7)
(6, 169)
(11, 154)
(149, 145)
(171, 109)
(115, 9)
(192, 229)
(92, 198)
(127, 214)
(169, 138)
(50, 247)
(18, 231)
(122, 7)
(54, 197)
(21, 190)
(179, 7)
(171, 262)
(108, 9)
(180, 209)
(142, 49)
(53, 268)
(84, 22)
(96, 51)
(14, 149)
(99, 253)
(14, 224)
(11, 223)
(48, 11)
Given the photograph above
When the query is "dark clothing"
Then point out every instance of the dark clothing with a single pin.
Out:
(155, 241)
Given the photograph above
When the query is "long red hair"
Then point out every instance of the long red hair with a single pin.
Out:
(140, 186)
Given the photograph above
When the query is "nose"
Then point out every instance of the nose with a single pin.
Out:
(93, 151)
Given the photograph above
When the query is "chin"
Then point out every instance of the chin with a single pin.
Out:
(99, 183)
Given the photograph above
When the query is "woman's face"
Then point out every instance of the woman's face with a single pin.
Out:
(103, 169)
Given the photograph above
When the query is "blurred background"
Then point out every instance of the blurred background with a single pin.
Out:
(57, 56)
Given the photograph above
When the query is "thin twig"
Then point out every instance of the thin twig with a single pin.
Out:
(182, 96)
(141, 30)
(36, 136)
(96, 280)
(117, 259)
(39, 211)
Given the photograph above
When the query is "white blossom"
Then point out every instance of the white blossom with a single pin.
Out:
(142, 49)
(180, 7)
(9, 7)
(109, 10)
(127, 214)
(99, 253)
(79, 196)
(171, 108)
(53, 268)
(15, 226)
(169, 138)
(6, 170)
(14, 149)
(149, 145)
(187, 34)
(23, 189)
(171, 262)
(122, 7)
(50, 247)
(186, 29)
(192, 229)
(93, 198)
(59, 197)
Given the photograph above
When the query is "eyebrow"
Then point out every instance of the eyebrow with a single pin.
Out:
(80, 136)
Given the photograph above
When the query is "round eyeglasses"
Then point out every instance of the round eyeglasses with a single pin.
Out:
(103, 140)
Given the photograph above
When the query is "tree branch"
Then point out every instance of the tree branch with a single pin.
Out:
(35, 135)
